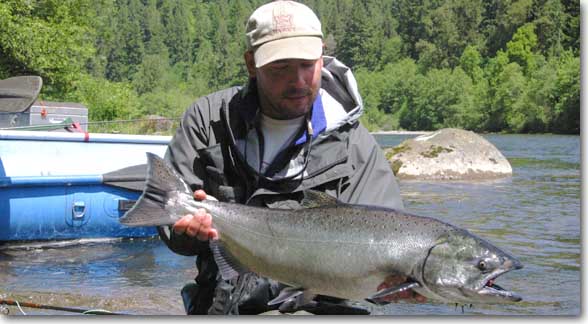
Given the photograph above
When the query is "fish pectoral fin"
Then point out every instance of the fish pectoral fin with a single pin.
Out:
(228, 266)
(392, 290)
(288, 293)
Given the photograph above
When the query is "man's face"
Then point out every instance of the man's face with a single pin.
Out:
(287, 88)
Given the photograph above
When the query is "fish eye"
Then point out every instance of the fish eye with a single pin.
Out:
(482, 265)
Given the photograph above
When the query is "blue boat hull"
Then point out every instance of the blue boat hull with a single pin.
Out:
(60, 186)
(66, 212)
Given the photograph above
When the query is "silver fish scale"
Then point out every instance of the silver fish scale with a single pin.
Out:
(320, 247)
(344, 251)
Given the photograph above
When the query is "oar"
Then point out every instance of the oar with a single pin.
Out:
(130, 178)
(11, 302)
(17, 94)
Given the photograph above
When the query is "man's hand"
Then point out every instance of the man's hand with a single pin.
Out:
(409, 294)
(199, 224)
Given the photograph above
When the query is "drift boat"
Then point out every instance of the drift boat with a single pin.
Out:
(65, 184)
(56, 186)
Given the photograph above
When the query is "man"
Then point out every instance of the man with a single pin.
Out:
(293, 127)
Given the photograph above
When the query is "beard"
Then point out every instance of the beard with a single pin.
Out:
(290, 104)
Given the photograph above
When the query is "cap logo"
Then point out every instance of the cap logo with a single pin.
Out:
(283, 23)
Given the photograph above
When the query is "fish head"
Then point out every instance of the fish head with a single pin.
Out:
(462, 268)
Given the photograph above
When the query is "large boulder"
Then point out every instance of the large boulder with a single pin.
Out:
(448, 154)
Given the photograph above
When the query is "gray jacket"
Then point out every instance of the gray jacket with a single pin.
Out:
(340, 157)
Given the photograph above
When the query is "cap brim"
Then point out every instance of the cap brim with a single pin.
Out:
(301, 47)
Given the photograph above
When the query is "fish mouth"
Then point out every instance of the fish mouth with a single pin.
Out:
(491, 289)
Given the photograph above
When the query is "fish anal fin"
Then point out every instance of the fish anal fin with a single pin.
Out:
(228, 266)
(391, 291)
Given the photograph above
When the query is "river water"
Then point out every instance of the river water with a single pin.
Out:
(535, 215)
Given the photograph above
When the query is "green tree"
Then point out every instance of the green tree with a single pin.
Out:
(51, 39)
(440, 99)
(104, 25)
(463, 103)
(572, 26)
(128, 50)
(153, 30)
(566, 109)
(391, 50)
(177, 31)
(501, 18)
(362, 45)
(507, 91)
(400, 86)
(149, 74)
(105, 100)
(471, 63)
(371, 86)
(494, 65)
(451, 27)
(410, 15)
(522, 46)
(202, 72)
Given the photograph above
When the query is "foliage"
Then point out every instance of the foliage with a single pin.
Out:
(492, 65)
(50, 39)
(107, 100)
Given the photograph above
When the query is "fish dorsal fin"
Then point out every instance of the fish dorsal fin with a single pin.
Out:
(288, 293)
(314, 198)
(391, 291)
(228, 266)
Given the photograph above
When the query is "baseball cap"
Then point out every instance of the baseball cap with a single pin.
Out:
(284, 30)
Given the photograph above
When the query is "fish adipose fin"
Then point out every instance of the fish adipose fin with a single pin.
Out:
(228, 266)
(391, 291)
(314, 198)
(161, 183)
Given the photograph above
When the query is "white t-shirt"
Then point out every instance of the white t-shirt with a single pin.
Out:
(277, 134)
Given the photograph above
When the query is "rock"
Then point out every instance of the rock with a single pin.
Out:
(448, 154)
(158, 124)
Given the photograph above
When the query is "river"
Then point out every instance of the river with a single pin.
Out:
(535, 215)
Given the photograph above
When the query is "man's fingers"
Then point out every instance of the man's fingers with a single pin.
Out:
(199, 194)
(206, 220)
(213, 234)
(181, 226)
(205, 227)
(198, 225)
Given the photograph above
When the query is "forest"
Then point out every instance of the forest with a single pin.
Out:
(510, 66)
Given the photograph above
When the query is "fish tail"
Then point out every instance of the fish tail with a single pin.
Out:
(161, 183)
